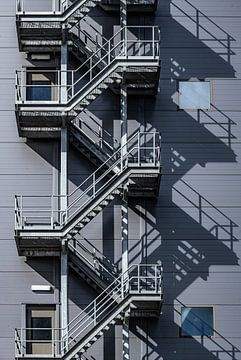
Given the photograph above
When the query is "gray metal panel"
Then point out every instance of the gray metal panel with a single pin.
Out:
(200, 255)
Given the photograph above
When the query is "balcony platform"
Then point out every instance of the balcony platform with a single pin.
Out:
(38, 247)
(146, 305)
(141, 6)
(44, 120)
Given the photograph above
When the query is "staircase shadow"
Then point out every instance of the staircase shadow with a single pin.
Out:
(175, 230)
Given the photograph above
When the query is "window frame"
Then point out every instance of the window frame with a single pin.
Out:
(50, 75)
(29, 334)
(196, 81)
(196, 336)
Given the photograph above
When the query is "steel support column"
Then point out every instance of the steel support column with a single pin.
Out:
(125, 340)
(64, 68)
(64, 290)
(63, 193)
(124, 206)
(123, 13)
(63, 170)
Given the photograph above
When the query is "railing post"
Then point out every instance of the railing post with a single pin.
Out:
(125, 39)
(72, 83)
(154, 148)
(153, 41)
(96, 41)
(138, 149)
(109, 57)
(21, 211)
(94, 185)
(100, 137)
(90, 68)
(95, 320)
(156, 277)
(52, 212)
(21, 342)
(21, 86)
(138, 279)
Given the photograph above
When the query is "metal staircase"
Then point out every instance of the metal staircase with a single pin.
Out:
(38, 27)
(88, 137)
(42, 224)
(136, 292)
(135, 166)
(36, 18)
(91, 265)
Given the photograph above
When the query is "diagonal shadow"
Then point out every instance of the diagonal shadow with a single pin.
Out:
(177, 239)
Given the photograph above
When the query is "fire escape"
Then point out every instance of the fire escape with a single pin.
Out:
(53, 103)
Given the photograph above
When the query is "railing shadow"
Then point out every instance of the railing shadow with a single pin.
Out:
(209, 216)
(225, 125)
(206, 26)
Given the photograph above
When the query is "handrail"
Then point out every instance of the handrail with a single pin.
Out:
(97, 63)
(63, 12)
(94, 252)
(138, 153)
(138, 279)
(73, 243)
(79, 123)
(59, 15)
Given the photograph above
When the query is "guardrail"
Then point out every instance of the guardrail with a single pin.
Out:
(54, 7)
(141, 150)
(129, 43)
(139, 279)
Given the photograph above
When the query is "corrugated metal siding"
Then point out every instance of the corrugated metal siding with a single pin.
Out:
(193, 227)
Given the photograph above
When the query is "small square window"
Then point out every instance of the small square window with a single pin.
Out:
(194, 95)
(197, 321)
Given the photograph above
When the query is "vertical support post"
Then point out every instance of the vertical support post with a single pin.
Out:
(64, 295)
(125, 340)
(63, 199)
(124, 239)
(123, 13)
(64, 68)
(123, 24)
(63, 172)
(124, 206)
(123, 111)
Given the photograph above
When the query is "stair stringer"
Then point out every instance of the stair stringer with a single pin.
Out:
(95, 333)
(87, 147)
(86, 273)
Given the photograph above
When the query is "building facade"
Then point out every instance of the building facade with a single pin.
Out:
(123, 239)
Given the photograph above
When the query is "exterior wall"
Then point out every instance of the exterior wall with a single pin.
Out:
(194, 225)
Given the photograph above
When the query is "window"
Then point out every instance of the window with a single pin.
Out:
(40, 90)
(194, 95)
(40, 324)
(40, 86)
(197, 321)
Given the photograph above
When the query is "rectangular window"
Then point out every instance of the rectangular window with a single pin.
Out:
(40, 90)
(197, 321)
(195, 95)
(40, 320)
(40, 86)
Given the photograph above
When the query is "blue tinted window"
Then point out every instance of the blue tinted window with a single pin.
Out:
(194, 95)
(197, 321)
(41, 90)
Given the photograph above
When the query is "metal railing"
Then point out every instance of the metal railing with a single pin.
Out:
(141, 150)
(88, 34)
(140, 279)
(62, 9)
(129, 43)
(87, 125)
(56, 7)
(99, 263)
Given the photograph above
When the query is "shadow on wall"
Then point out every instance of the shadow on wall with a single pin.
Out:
(185, 241)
